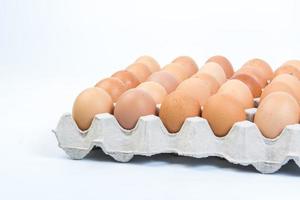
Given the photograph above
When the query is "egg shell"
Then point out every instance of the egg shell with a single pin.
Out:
(224, 63)
(295, 63)
(150, 62)
(167, 80)
(175, 108)
(276, 87)
(114, 86)
(275, 112)
(210, 80)
(156, 91)
(141, 71)
(262, 66)
(89, 103)
(292, 81)
(215, 70)
(239, 91)
(189, 64)
(222, 111)
(128, 78)
(288, 69)
(132, 105)
(177, 70)
(252, 71)
(196, 88)
(251, 82)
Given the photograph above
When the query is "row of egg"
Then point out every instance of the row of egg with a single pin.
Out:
(181, 90)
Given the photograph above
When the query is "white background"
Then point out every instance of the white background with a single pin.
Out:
(51, 50)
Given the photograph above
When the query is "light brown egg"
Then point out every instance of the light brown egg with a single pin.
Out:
(224, 63)
(210, 80)
(156, 91)
(167, 80)
(288, 69)
(141, 71)
(252, 71)
(276, 87)
(275, 112)
(222, 111)
(196, 88)
(128, 78)
(151, 63)
(263, 67)
(176, 107)
(189, 64)
(177, 70)
(252, 84)
(239, 91)
(292, 81)
(114, 86)
(215, 70)
(89, 103)
(132, 105)
(295, 63)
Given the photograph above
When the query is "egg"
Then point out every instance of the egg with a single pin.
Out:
(254, 73)
(252, 84)
(132, 105)
(177, 70)
(150, 62)
(224, 63)
(222, 111)
(275, 112)
(262, 66)
(292, 81)
(189, 64)
(215, 70)
(210, 80)
(175, 108)
(167, 80)
(114, 86)
(288, 69)
(128, 78)
(156, 91)
(276, 87)
(239, 91)
(141, 71)
(89, 103)
(295, 63)
(196, 88)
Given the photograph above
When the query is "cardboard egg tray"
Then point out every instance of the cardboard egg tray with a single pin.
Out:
(244, 144)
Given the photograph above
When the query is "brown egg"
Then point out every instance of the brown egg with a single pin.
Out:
(276, 87)
(177, 70)
(167, 80)
(239, 91)
(150, 62)
(114, 86)
(196, 88)
(176, 107)
(252, 84)
(89, 103)
(189, 64)
(291, 81)
(128, 78)
(210, 80)
(288, 69)
(156, 91)
(263, 67)
(252, 71)
(215, 70)
(295, 63)
(141, 71)
(222, 111)
(275, 112)
(132, 105)
(224, 63)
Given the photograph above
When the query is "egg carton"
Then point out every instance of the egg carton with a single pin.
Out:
(244, 144)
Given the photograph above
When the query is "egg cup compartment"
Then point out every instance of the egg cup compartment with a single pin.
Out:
(244, 144)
